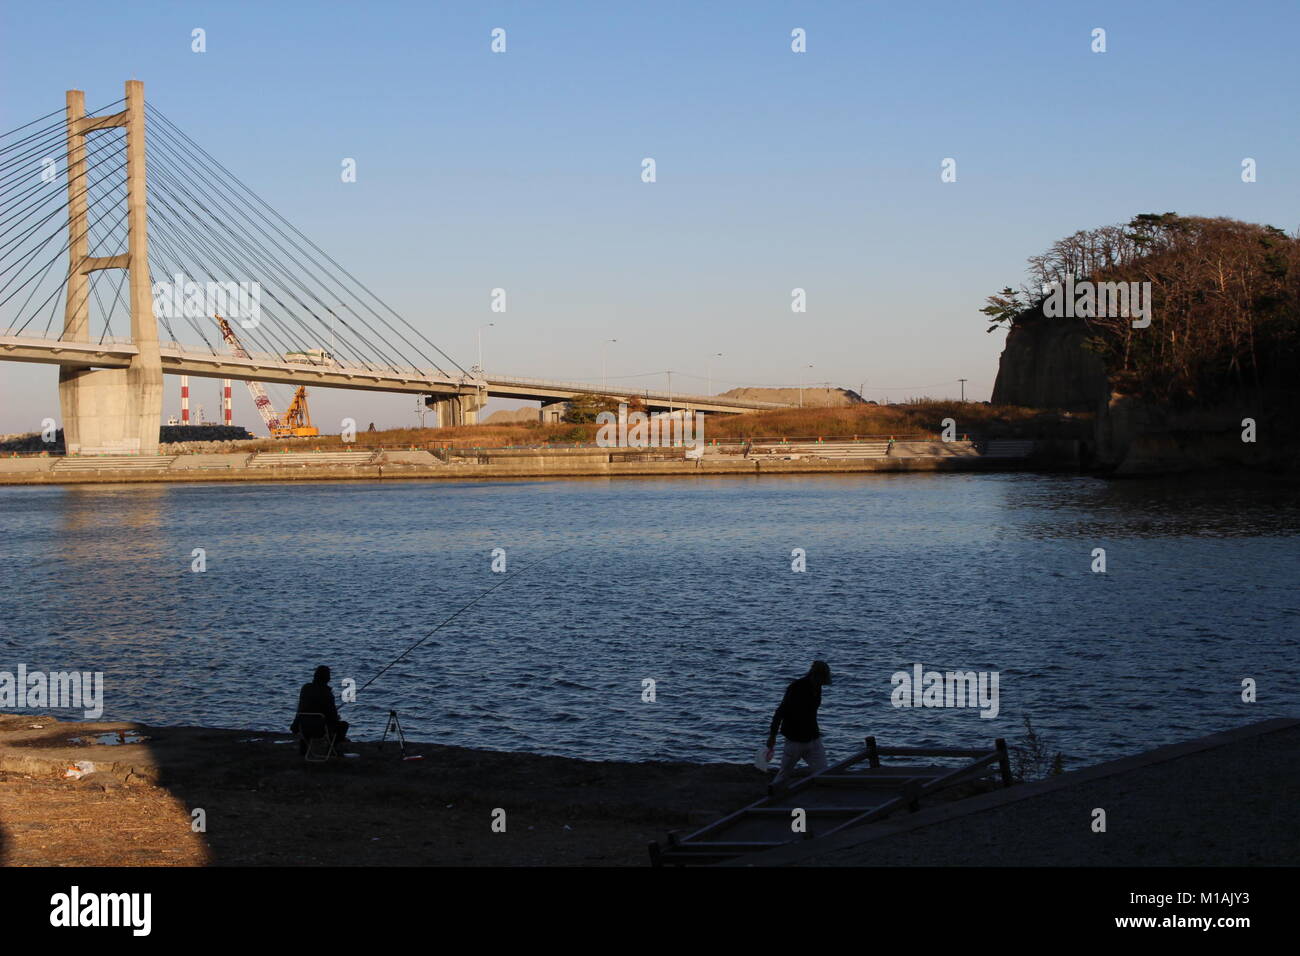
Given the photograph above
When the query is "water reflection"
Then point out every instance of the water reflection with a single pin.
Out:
(684, 582)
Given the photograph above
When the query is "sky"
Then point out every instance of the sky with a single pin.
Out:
(775, 170)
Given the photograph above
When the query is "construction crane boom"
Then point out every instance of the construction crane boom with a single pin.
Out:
(260, 398)
(297, 419)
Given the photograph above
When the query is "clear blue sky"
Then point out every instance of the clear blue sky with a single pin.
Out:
(775, 170)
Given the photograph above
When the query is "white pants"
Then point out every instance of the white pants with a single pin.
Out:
(811, 752)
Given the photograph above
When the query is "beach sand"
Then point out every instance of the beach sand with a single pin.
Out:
(265, 806)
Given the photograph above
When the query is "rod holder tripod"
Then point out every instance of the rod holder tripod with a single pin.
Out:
(394, 726)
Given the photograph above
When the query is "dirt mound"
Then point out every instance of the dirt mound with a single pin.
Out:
(508, 416)
(813, 396)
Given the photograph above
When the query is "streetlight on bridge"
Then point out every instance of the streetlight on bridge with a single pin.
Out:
(480, 344)
(604, 356)
(709, 373)
(801, 387)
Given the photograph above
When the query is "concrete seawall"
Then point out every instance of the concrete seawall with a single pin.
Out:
(421, 465)
(530, 469)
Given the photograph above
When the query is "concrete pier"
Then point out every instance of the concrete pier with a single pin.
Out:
(458, 409)
(110, 410)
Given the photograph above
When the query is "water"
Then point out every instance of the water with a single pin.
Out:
(684, 582)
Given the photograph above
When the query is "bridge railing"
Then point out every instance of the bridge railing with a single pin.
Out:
(174, 348)
(27, 334)
(334, 365)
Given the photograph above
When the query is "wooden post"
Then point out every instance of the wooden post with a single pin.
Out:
(872, 756)
(1004, 761)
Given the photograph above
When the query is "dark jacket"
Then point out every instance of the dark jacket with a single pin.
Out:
(317, 699)
(796, 718)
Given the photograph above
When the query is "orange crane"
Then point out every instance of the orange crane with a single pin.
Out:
(297, 421)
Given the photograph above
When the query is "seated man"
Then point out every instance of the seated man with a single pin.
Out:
(317, 698)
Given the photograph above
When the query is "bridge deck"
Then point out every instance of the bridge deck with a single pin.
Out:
(180, 360)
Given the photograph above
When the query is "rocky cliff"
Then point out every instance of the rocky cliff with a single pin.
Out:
(1046, 365)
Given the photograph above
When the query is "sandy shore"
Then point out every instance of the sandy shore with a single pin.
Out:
(263, 805)
(1227, 799)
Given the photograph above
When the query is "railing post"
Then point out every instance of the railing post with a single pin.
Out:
(872, 756)
(1004, 761)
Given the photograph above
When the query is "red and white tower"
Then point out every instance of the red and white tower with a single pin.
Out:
(185, 399)
(227, 416)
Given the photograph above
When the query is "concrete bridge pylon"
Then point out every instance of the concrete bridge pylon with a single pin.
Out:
(110, 410)
(462, 409)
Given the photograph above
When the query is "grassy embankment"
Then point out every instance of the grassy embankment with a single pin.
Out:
(918, 420)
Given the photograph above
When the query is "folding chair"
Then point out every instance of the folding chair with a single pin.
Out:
(320, 742)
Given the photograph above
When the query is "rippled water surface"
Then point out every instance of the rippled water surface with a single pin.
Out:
(686, 582)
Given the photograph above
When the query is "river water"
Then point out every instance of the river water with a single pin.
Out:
(684, 582)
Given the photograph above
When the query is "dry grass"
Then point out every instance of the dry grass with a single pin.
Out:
(465, 436)
(918, 419)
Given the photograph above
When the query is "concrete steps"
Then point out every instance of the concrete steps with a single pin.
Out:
(315, 459)
(861, 449)
(114, 463)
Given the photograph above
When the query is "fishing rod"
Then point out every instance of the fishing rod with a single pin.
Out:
(505, 580)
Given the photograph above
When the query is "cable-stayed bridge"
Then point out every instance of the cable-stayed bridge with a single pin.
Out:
(110, 264)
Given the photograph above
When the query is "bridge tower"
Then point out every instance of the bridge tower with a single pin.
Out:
(110, 411)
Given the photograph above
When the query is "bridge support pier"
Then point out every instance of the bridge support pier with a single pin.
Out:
(108, 411)
(456, 410)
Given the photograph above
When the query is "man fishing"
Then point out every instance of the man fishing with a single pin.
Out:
(317, 698)
(796, 720)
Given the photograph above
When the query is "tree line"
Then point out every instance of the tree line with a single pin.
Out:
(1226, 305)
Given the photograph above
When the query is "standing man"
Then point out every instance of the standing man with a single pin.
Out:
(796, 719)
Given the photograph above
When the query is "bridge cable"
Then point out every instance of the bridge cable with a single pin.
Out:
(249, 241)
(200, 235)
(203, 153)
(30, 255)
(165, 184)
(249, 252)
(204, 170)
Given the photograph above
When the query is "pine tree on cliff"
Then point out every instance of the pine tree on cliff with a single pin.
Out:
(1224, 297)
